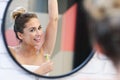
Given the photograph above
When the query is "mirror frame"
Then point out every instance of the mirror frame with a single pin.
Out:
(47, 77)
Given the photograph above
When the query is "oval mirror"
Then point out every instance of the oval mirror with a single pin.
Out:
(72, 49)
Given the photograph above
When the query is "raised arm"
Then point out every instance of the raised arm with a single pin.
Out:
(51, 30)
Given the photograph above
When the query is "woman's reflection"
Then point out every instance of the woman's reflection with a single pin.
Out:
(35, 46)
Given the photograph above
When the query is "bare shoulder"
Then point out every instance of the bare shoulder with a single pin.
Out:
(12, 49)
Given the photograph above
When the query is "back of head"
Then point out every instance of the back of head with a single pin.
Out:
(105, 26)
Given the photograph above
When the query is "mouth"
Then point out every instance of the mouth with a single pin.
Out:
(37, 40)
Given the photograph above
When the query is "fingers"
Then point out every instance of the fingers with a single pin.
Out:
(45, 68)
(49, 65)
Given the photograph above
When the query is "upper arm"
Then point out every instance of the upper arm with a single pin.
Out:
(50, 36)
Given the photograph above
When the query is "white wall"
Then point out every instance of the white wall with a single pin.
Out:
(98, 68)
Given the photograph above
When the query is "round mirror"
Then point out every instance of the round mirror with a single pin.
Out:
(43, 43)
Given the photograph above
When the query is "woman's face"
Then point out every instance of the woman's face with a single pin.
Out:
(32, 33)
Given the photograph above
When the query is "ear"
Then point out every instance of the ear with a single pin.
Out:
(98, 48)
(20, 35)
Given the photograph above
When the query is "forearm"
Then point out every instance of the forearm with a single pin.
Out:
(53, 9)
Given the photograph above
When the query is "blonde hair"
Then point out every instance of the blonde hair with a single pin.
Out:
(17, 12)
(98, 9)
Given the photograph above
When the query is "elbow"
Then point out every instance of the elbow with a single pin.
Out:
(54, 18)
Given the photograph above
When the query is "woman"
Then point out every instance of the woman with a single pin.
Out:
(34, 43)
(105, 30)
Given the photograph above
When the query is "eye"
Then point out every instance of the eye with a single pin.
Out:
(39, 27)
(32, 30)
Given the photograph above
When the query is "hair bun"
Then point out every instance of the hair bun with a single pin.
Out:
(17, 12)
(98, 9)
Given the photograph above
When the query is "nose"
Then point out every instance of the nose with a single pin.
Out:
(39, 32)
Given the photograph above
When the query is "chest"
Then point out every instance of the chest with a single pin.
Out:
(31, 60)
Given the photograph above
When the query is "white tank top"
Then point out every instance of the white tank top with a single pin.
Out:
(32, 68)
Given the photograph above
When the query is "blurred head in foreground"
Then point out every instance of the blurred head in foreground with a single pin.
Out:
(105, 27)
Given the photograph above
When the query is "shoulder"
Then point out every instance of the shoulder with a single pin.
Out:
(12, 49)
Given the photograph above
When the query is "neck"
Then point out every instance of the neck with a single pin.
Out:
(28, 50)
